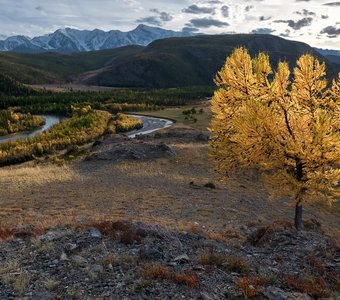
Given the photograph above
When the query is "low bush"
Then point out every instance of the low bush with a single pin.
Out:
(159, 271)
(12, 122)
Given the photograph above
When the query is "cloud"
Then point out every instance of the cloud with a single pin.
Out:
(306, 13)
(262, 31)
(332, 4)
(158, 20)
(162, 15)
(206, 23)
(194, 9)
(166, 17)
(331, 31)
(263, 18)
(130, 2)
(286, 33)
(189, 29)
(152, 20)
(225, 11)
(297, 25)
(248, 8)
(213, 2)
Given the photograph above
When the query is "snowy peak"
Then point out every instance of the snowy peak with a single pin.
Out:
(73, 40)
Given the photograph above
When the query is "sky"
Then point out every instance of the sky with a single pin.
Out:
(316, 22)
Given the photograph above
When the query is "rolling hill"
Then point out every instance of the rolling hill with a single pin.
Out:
(192, 61)
(171, 62)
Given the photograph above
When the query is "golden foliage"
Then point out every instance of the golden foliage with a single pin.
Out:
(290, 130)
(12, 122)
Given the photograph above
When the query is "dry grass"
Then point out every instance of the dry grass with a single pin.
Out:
(9, 267)
(21, 176)
(21, 282)
(231, 262)
(50, 283)
(156, 192)
(159, 271)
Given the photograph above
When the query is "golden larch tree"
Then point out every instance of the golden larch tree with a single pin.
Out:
(288, 130)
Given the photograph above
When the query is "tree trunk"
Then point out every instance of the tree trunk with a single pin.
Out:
(298, 216)
(298, 206)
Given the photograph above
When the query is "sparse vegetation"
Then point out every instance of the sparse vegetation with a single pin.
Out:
(159, 271)
(50, 283)
(21, 282)
(231, 262)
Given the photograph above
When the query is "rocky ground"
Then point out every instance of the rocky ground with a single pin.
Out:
(121, 260)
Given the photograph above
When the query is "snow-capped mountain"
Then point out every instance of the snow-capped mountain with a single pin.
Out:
(72, 40)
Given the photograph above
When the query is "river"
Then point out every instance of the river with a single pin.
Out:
(50, 120)
(150, 124)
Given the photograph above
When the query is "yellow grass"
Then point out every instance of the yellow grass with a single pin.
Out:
(166, 191)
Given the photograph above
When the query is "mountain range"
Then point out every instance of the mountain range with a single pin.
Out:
(73, 40)
(171, 62)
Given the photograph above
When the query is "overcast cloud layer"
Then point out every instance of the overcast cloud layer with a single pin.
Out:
(315, 22)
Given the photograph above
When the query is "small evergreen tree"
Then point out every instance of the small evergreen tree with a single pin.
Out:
(288, 130)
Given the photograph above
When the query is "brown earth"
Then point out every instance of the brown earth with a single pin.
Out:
(132, 180)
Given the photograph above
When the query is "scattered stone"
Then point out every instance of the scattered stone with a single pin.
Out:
(94, 232)
(63, 256)
(70, 248)
(98, 268)
(184, 258)
(275, 293)
(43, 295)
(52, 234)
(202, 137)
(79, 260)
(210, 185)
(150, 253)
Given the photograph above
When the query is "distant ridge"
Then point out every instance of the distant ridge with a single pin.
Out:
(171, 62)
(73, 40)
(331, 55)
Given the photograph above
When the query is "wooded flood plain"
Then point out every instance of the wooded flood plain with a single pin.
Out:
(89, 116)
(84, 126)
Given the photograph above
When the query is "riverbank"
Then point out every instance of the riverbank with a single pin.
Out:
(13, 122)
(49, 121)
